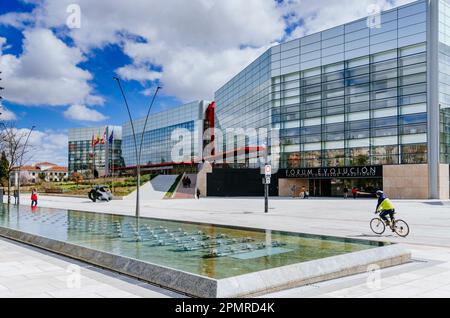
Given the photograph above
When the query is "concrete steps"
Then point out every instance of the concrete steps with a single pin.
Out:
(187, 193)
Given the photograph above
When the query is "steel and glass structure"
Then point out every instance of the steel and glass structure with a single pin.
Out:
(158, 139)
(103, 158)
(373, 92)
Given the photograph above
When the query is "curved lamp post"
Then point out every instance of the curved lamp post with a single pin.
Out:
(138, 150)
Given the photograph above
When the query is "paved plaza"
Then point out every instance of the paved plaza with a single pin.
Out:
(427, 276)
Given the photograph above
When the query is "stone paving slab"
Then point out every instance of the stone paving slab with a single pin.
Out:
(45, 275)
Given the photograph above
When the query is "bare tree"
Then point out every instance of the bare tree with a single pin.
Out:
(13, 144)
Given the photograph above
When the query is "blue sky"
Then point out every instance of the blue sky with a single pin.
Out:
(57, 77)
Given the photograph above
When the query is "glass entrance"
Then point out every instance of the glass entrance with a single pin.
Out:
(335, 187)
(320, 188)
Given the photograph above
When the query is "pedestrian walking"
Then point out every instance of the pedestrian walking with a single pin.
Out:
(345, 193)
(355, 192)
(34, 198)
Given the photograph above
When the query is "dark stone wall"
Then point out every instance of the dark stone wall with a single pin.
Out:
(238, 183)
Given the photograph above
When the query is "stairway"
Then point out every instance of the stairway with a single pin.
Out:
(187, 193)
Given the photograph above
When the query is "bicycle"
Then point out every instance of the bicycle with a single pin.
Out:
(378, 226)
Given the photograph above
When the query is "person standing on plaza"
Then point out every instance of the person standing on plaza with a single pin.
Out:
(345, 192)
(34, 198)
(355, 192)
(293, 191)
(305, 193)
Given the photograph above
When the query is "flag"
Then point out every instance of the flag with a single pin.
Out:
(97, 141)
(103, 139)
(111, 138)
(93, 140)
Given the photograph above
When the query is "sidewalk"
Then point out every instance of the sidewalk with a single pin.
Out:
(27, 272)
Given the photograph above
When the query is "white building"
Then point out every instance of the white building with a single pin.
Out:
(32, 174)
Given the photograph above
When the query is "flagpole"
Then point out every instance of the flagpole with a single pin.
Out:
(112, 162)
(93, 155)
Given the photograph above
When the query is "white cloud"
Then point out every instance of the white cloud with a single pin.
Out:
(50, 146)
(82, 113)
(319, 15)
(191, 73)
(6, 114)
(197, 43)
(46, 73)
(3, 45)
(15, 19)
(138, 73)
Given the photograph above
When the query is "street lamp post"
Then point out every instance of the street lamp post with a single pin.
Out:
(138, 150)
(21, 162)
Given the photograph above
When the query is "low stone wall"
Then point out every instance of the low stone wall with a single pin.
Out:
(411, 182)
(406, 181)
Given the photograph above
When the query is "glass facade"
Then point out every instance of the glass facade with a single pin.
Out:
(245, 100)
(158, 142)
(349, 96)
(83, 157)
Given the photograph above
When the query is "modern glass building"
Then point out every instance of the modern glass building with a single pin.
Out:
(159, 140)
(95, 151)
(365, 104)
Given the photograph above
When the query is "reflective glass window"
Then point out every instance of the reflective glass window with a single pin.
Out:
(358, 134)
(331, 33)
(417, 18)
(333, 41)
(383, 37)
(359, 125)
(412, 9)
(333, 50)
(364, 33)
(382, 66)
(412, 59)
(413, 69)
(413, 79)
(311, 47)
(386, 26)
(353, 45)
(384, 46)
(384, 122)
(358, 107)
(290, 53)
(333, 76)
(384, 103)
(413, 119)
(354, 26)
(310, 39)
(412, 29)
(412, 39)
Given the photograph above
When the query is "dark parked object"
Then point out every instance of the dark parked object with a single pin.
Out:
(101, 193)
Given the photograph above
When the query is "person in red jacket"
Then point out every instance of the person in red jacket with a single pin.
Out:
(34, 198)
(355, 192)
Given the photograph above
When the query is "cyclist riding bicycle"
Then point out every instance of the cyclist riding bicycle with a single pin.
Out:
(385, 208)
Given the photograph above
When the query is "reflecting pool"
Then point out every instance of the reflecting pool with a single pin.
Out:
(207, 250)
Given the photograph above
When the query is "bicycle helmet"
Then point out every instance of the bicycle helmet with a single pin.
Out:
(380, 193)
